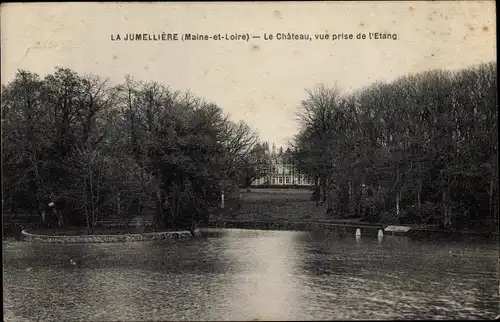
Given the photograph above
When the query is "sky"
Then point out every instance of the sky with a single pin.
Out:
(259, 81)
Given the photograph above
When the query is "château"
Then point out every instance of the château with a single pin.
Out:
(279, 169)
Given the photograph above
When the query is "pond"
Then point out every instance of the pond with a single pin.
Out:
(252, 275)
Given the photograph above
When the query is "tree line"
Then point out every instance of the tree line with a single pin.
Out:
(421, 149)
(92, 150)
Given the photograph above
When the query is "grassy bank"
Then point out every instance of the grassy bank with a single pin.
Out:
(276, 205)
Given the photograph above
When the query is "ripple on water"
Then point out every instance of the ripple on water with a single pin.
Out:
(248, 276)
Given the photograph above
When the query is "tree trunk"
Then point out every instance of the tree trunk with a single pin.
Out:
(317, 191)
(173, 207)
(324, 186)
(85, 207)
(352, 199)
(119, 212)
(39, 186)
(141, 223)
(222, 197)
(492, 214)
(419, 191)
(92, 205)
(446, 211)
(361, 200)
(495, 198)
(96, 214)
(329, 195)
(398, 194)
(160, 200)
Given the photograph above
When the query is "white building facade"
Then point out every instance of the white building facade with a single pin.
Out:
(280, 171)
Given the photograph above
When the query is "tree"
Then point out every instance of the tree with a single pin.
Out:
(421, 149)
(254, 165)
(116, 151)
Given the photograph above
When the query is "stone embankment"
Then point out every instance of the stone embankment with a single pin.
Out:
(27, 236)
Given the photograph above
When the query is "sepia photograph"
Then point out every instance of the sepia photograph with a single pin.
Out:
(249, 161)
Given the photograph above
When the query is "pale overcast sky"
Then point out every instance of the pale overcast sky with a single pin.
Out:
(259, 81)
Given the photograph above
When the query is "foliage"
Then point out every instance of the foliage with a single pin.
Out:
(422, 149)
(102, 152)
(255, 165)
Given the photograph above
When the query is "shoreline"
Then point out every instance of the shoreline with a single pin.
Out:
(342, 226)
(350, 226)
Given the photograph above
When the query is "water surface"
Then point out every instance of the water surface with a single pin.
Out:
(248, 275)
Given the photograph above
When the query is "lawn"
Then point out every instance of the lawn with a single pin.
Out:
(279, 205)
(258, 205)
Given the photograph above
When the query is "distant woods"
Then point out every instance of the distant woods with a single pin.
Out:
(422, 149)
(97, 151)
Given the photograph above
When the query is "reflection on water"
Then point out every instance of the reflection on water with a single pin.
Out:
(250, 275)
(264, 288)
